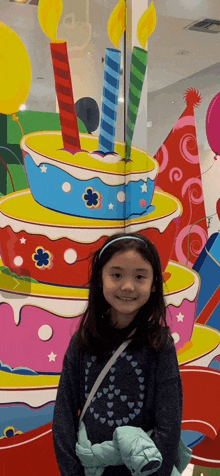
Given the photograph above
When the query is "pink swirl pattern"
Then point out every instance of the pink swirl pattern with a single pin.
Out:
(175, 174)
(196, 246)
(184, 121)
(164, 152)
(187, 145)
(190, 184)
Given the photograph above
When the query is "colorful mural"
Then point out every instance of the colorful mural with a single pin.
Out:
(64, 190)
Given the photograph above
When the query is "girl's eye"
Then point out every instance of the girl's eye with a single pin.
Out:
(140, 277)
(116, 275)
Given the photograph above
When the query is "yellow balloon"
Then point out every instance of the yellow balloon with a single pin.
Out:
(15, 71)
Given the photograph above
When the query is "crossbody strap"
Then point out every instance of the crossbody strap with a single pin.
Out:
(104, 372)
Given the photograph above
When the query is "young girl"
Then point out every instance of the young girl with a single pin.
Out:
(143, 388)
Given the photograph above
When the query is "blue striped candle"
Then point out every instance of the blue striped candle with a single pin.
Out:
(110, 100)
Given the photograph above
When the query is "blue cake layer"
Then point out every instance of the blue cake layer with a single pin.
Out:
(57, 190)
(23, 418)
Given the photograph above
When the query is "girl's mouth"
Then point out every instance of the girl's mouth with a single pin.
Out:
(126, 298)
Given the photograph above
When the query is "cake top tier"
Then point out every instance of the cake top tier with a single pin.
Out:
(49, 144)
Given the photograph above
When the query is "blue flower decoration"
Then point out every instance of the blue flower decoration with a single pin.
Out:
(9, 432)
(92, 198)
(42, 258)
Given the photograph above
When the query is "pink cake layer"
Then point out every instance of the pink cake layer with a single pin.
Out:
(177, 317)
(21, 346)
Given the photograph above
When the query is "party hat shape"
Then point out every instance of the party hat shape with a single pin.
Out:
(180, 175)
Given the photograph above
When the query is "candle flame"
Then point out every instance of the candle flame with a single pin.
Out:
(49, 13)
(116, 23)
(146, 25)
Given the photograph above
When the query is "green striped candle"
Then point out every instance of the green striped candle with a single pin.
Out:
(138, 70)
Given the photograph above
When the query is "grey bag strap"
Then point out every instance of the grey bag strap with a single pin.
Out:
(104, 372)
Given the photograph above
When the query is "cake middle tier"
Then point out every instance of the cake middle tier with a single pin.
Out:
(54, 248)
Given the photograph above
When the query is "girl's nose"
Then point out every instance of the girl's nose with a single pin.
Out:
(128, 284)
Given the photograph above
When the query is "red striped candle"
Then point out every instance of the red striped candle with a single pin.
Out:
(63, 85)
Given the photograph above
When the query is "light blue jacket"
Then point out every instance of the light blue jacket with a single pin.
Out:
(130, 446)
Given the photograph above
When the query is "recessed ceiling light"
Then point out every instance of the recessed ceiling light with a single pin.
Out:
(22, 107)
(183, 52)
(19, 1)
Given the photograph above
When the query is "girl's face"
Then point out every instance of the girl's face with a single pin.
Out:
(127, 281)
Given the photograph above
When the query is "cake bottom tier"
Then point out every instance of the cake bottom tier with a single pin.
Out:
(38, 320)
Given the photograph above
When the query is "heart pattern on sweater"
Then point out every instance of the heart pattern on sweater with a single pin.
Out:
(117, 391)
(108, 392)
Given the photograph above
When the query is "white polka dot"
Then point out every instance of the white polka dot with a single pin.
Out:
(45, 332)
(18, 261)
(66, 187)
(175, 337)
(70, 256)
(121, 196)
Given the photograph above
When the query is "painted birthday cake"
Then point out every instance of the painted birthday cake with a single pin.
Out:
(82, 189)
(44, 273)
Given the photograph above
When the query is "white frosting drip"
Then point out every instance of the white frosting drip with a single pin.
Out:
(81, 173)
(64, 307)
(90, 234)
(35, 398)
(189, 293)
(108, 159)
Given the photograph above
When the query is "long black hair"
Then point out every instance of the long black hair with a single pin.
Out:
(96, 334)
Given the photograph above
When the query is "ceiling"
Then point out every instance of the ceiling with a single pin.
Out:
(174, 52)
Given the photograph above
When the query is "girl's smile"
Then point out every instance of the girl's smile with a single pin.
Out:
(127, 281)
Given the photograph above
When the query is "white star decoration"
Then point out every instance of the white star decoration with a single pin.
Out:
(111, 206)
(144, 187)
(43, 169)
(52, 357)
(180, 317)
(23, 241)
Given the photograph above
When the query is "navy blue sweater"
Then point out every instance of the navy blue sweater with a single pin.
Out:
(142, 389)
